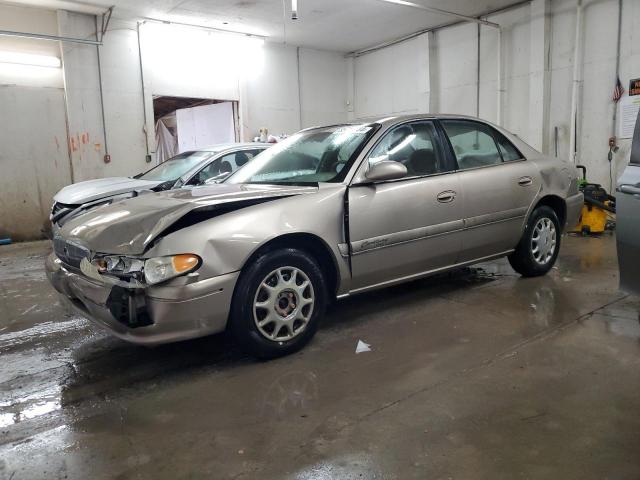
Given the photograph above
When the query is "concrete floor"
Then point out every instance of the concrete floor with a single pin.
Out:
(477, 374)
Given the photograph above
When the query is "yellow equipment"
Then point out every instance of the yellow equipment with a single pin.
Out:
(597, 204)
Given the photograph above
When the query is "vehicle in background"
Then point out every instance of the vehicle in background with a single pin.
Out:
(628, 219)
(207, 165)
(328, 212)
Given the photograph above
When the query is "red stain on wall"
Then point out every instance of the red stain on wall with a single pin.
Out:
(77, 140)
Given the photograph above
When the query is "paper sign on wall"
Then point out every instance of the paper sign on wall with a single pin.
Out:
(629, 107)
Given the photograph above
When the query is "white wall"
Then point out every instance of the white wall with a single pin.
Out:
(80, 64)
(455, 73)
(16, 18)
(285, 88)
(191, 62)
(393, 79)
(278, 86)
(269, 95)
(122, 92)
(537, 66)
(323, 87)
(34, 157)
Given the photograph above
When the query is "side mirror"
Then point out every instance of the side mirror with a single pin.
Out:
(386, 170)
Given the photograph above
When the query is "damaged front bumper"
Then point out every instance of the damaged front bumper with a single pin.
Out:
(176, 310)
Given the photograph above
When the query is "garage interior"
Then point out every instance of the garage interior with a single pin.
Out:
(473, 373)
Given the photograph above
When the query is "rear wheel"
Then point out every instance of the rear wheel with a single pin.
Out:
(278, 303)
(539, 246)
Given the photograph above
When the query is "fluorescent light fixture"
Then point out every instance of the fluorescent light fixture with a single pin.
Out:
(294, 9)
(29, 59)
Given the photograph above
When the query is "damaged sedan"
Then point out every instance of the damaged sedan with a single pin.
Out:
(329, 212)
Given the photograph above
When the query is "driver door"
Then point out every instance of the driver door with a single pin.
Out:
(406, 227)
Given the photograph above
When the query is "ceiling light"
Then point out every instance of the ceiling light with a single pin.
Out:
(29, 59)
(294, 9)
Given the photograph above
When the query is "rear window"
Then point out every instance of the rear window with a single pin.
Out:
(472, 143)
(508, 151)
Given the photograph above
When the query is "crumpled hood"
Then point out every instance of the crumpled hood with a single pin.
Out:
(127, 227)
(90, 190)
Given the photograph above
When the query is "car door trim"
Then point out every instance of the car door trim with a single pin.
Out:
(426, 273)
(497, 217)
(405, 236)
(421, 233)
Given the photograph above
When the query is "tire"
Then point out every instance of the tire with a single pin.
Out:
(543, 224)
(268, 293)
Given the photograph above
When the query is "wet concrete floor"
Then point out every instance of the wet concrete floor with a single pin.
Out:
(472, 375)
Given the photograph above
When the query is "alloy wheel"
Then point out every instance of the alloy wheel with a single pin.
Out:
(283, 304)
(543, 241)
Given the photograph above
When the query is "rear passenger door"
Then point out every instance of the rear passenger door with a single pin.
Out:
(498, 186)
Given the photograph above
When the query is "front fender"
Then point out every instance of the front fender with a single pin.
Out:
(225, 243)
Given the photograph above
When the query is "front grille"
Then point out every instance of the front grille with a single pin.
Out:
(60, 210)
(69, 253)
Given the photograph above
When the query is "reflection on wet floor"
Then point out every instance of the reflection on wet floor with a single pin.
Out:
(457, 362)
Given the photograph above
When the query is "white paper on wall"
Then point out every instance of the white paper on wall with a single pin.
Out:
(629, 107)
(205, 125)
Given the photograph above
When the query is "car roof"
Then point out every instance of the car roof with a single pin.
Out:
(219, 147)
(389, 120)
(393, 119)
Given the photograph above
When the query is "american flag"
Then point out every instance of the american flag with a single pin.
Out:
(618, 90)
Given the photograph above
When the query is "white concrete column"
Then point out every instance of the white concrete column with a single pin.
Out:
(539, 78)
(432, 74)
(82, 89)
(351, 88)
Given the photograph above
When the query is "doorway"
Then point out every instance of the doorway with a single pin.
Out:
(185, 123)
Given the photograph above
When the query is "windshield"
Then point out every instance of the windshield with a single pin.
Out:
(311, 156)
(175, 167)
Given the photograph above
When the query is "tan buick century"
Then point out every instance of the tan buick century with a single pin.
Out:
(327, 213)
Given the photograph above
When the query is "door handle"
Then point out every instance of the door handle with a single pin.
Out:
(630, 189)
(525, 181)
(447, 196)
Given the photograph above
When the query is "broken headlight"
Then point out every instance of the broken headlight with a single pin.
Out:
(120, 266)
(154, 270)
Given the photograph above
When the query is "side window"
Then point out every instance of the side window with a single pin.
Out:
(242, 157)
(472, 144)
(207, 172)
(508, 151)
(228, 163)
(415, 145)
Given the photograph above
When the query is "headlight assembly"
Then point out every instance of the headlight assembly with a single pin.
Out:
(155, 270)
(159, 269)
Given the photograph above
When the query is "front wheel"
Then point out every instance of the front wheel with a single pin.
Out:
(540, 244)
(278, 303)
